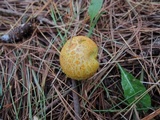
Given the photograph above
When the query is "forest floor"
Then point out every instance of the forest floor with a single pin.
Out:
(32, 84)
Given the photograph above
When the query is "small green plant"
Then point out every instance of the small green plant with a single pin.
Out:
(93, 12)
(134, 90)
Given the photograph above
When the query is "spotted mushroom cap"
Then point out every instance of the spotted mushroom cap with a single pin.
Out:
(78, 58)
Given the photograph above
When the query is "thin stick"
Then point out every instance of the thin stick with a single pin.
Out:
(6, 12)
(152, 115)
(39, 18)
(76, 101)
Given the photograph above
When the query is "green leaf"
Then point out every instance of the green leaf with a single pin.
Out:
(133, 89)
(93, 25)
(94, 8)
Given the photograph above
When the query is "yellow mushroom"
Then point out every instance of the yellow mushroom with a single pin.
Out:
(78, 58)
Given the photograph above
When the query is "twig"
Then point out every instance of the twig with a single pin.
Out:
(6, 12)
(76, 101)
(152, 115)
(39, 18)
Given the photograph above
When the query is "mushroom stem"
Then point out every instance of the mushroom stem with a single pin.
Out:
(76, 101)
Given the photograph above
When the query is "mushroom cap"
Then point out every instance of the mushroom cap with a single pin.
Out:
(78, 58)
